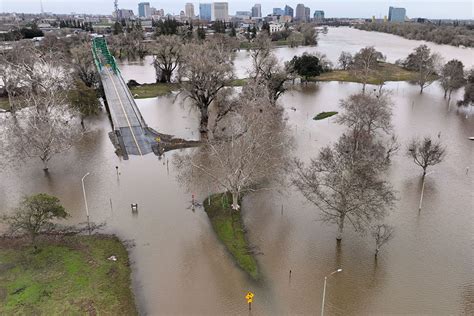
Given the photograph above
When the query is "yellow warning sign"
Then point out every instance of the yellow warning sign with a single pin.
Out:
(249, 297)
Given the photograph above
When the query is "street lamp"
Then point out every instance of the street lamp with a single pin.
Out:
(423, 189)
(324, 289)
(85, 201)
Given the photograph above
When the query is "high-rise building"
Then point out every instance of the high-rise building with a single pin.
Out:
(243, 14)
(300, 12)
(220, 11)
(288, 11)
(125, 14)
(257, 11)
(307, 14)
(189, 10)
(205, 11)
(396, 14)
(278, 11)
(318, 16)
(144, 10)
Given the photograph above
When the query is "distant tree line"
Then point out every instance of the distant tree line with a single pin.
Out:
(27, 32)
(86, 26)
(440, 34)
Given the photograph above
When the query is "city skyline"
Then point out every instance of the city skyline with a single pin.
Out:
(337, 8)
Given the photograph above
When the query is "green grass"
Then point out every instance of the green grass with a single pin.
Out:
(238, 82)
(323, 115)
(69, 277)
(229, 228)
(390, 72)
(4, 104)
(151, 90)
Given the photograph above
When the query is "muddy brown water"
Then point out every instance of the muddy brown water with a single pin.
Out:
(180, 268)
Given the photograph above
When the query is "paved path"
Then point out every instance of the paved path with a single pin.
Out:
(127, 120)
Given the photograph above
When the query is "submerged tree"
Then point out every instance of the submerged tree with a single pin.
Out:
(35, 215)
(452, 77)
(84, 100)
(167, 54)
(84, 65)
(266, 69)
(365, 63)
(382, 233)
(468, 90)
(346, 184)
(306, 65)
(207, 68)
(248, 152)
(425, 63)
(426, 152)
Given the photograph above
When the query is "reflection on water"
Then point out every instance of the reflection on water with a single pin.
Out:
(179, 267)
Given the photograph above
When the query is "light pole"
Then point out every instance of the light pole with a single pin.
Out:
(85, 201)
(324, 289)
(423, 190)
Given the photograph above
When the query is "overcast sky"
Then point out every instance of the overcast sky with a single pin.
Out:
(453, 9)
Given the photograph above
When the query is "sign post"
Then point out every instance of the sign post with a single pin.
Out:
(249, 298)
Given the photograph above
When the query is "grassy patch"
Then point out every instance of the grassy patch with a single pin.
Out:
(70, 277)
(323, 115)
(238, 82)
(4, 104)
(390, 72)
(229, 227)
(152, 90)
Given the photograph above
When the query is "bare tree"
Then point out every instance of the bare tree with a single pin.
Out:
(425, 64)
(426, 152)
(206, 69)
(345, 60)
(249, 152)
(346, 185)
(41, 130)
(382, 234)
(452, 77)
(84, 65)
(35, 215)
(266, 68)
(365, 63)
(167, 54)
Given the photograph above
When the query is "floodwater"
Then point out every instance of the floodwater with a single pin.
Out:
(179, 267)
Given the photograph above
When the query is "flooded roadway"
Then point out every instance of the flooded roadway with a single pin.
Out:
(179, 267)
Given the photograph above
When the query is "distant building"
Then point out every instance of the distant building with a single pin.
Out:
(278, 11)
(205, 11)
(125, 14)
(257, 11)
(243, 15)
(275, 27)
(289, 11)
(144, 10)
(300, 12)
(220, 11)
(396, 14)
(189, 10)
(307, 14)
(318, 16)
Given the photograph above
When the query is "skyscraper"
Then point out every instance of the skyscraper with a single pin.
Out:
(318, 16)
(300, 12)
(257, 11)
(205, 11)
(307, 14)
(288, 11)
(189, 10)
(278, 11)
(220, 11)
(144, 10)
(396, 14)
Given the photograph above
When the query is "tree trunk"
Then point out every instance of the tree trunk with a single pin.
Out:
(204, 122)
(235, 201)
(445, 93)
(376, 251)
(449, 97)
(422, 86)
(340, 227)
(45, 165)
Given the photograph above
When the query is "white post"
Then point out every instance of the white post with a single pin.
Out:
(423, 190)
(324, 295)
(324, 289)
(85, 201)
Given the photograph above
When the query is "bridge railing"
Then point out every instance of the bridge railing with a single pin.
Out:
(100, 49)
